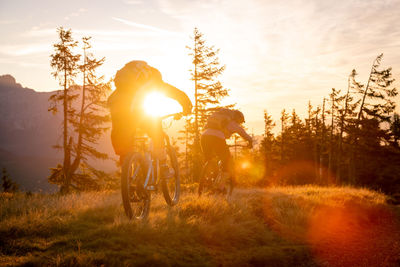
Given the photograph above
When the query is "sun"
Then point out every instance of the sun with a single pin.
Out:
(157, 104)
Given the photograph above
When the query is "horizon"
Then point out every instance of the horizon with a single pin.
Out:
(274, 59)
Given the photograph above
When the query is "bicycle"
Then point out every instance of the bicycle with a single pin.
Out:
(141, 176)
(211, 179)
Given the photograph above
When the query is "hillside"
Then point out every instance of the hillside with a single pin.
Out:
(284, 226)
(28, 134)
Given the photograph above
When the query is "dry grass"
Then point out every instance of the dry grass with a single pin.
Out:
(283, 226)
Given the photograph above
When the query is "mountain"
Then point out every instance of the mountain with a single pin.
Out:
(28, 134)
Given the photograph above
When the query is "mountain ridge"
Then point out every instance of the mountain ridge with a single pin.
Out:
(29, 132)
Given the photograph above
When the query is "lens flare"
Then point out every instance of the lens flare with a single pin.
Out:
(156, 104)
(245, 164)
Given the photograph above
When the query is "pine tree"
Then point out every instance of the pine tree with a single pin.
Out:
(395, 129)
(90, 123)
(346, 118)
(380, 92)
(377, 106)
(267, 144)
(284, 120)
(65, 65)
(335, 100)
(208, 90)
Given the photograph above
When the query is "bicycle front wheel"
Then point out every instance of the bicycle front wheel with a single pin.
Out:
(135, 198)
(171, 185)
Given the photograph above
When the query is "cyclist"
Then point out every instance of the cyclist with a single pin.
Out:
(133, 82)
(219, 127)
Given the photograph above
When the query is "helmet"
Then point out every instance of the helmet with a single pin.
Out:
(238, 116)
(136, 73)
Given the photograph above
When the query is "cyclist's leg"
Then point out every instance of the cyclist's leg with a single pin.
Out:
(207, 146)
(208, 149)
(207, 171)
(223, 153)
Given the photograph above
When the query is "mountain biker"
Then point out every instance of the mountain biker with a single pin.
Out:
(133, 82)
(219, 127)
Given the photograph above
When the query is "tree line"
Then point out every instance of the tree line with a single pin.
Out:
(352, 137)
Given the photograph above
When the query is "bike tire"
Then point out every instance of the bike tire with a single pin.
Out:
(206, 179)
(230, 186)
(209, 180)
(135, 199)
(171, 186)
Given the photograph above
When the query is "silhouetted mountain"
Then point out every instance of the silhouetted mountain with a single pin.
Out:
(28, 132)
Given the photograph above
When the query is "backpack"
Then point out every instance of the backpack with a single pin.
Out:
(219, 120)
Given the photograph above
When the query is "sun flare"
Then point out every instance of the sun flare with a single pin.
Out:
(156, 104)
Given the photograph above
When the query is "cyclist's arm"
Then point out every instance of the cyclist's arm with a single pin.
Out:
(178, 95)
(235, 128)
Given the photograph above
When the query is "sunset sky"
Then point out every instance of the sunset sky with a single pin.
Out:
(278, 54)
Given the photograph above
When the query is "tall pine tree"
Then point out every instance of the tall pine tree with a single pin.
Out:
(208, 90)
(65, 64)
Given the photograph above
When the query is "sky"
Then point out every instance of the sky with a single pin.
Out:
(278, 54)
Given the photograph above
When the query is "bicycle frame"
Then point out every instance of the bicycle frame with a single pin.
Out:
(153, 170)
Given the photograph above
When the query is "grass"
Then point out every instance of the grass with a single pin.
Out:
(281, 226)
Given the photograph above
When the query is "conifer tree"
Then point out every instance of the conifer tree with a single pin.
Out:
(395, 129)
(90, 123)
(380, 92)
(284, 120)
(267, 143)
(377, 106)
(335, 100)
(208, 90)
(346, 118)
(65, 64)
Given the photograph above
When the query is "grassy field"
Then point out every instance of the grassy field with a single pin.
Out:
(283, 226)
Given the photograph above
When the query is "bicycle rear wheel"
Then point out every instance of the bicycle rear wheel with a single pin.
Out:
(171, 185)
(135, 198)
(224, 184)
(211, 180)
(207, 178)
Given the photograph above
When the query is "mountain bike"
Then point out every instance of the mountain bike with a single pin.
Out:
(140, 176)
(212, 180)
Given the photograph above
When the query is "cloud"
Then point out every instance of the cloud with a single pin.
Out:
(145, 27)
(75, 14)
(23, 50)
(7, 22)
(104, 34)
(133, 2)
